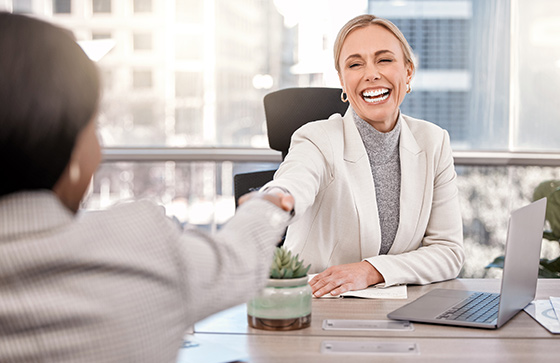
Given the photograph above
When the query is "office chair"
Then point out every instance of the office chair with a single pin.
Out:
(247, 182)
(287, 110)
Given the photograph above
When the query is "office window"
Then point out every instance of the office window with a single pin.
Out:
(189, 46)
(536, 76)
(143, 114)
(100, 35)
(189, 11)
(142, 41)
(475, 77)
(101, 6)
(142, 79)
(189, 125)
(107, 78)
(462, 79)
(142, 6)
(488, 72)
(188, 84)
(23, 6)
(62, 6)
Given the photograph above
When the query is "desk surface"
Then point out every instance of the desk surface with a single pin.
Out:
(521, 339)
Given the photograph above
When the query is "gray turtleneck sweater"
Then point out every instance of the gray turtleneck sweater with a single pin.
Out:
(383, 152)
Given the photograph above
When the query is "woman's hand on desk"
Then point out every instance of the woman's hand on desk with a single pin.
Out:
(280, 199)
(339, 279)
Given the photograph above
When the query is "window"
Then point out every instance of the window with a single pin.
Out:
(142, 41)
(488, 72)
(536, 76)
(142, 6)
(142, 79)
(101, 35)
(62, 6)
(458, 45)
(23, 6)
(101, 6)
(142, 113)
(189, 47)
(188, 84)
(189, 11)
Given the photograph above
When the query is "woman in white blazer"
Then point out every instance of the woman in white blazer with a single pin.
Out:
(375, 194)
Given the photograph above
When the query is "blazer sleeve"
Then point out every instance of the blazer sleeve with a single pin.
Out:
(228, 268)
(308, 166)
(440, 255)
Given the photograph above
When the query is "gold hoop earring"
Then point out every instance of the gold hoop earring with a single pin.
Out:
(343, 97)
(74, 172)
(408, 88)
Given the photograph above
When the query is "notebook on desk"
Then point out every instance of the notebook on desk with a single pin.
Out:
(490, 310)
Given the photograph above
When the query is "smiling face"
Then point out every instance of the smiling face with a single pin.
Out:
(374, 74)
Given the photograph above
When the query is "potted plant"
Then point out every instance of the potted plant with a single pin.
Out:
(285, 302)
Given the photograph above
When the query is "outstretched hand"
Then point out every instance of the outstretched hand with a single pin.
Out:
(338, 279)
(280, 199)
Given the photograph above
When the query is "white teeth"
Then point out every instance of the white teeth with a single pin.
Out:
(378, 99)
(377, 92)
(369, 95)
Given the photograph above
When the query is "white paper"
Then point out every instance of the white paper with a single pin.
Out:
(373, 292)
(555, 302)
(543, 312)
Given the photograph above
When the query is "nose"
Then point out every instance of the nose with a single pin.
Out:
(372, 72)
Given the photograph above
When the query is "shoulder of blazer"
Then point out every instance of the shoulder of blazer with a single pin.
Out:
(324, 133)
(427, 134)
(332, 124)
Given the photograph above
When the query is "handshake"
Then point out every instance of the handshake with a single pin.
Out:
(280, 198)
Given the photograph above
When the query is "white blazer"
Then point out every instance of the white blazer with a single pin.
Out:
(336, 220)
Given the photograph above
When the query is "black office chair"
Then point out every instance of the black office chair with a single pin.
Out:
(247, 182)
(287, 110)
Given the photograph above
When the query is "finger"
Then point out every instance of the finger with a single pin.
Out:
(319, 280)
(246, 197)
(316, 279)
(316, 285)
(327, 288)
(341, 289)
(287, 202)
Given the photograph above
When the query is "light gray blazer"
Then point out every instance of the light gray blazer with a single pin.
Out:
(121, 285)
(336, 219)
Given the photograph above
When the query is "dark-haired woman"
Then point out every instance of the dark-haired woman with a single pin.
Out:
(121, 285)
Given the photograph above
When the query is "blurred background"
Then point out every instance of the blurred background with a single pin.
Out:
(184, 80)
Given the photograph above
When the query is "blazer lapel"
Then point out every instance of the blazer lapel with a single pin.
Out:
(362, 187)
(413, 184)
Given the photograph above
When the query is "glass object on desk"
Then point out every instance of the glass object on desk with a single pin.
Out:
(284, 304)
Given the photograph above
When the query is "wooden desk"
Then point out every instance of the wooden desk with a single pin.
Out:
(522, 339)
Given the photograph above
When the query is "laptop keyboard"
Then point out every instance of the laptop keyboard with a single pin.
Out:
(480, 307)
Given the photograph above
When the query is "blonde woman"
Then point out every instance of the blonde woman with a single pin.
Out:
(376, 200)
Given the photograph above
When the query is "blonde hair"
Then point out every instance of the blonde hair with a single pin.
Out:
(364, 20)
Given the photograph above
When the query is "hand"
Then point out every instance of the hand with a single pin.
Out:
(282, 200)
(338, 279)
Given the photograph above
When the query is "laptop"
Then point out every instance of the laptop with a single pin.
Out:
(490, 310)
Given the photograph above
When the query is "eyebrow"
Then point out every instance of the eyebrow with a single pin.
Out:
(377, 54)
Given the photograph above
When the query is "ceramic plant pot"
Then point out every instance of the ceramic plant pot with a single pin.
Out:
(284, 304)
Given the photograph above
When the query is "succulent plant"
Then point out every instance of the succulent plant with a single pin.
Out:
(286, 266)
